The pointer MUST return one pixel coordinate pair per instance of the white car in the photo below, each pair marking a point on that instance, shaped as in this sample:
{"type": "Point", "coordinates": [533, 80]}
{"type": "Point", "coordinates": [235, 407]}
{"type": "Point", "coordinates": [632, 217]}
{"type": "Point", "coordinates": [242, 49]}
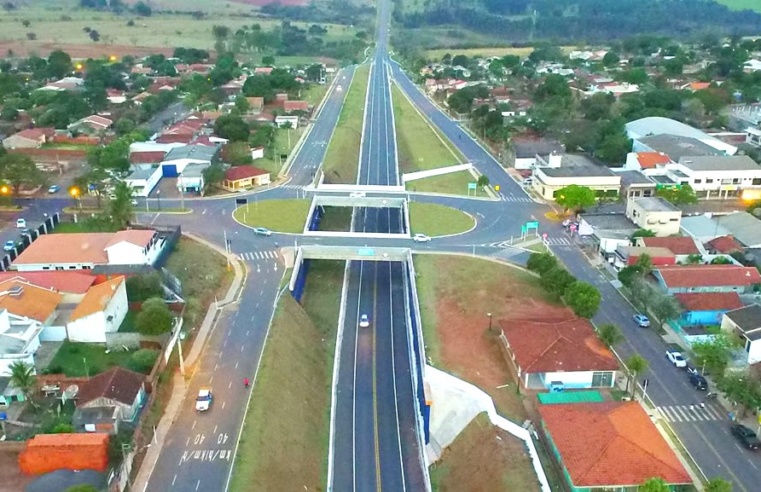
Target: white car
{"type": "Point", "coordinates": [20, 223]}
{"type": "Point", "coordinates": [364, 321]}
{"type": "Point", "coordinates": [203, 401]}
{"type": "Point", "coordinates": [421, 238]}
{"type": "Point", "coordinates": [676, 358]}
{"type": "Point", "coordinates": [9, 245]}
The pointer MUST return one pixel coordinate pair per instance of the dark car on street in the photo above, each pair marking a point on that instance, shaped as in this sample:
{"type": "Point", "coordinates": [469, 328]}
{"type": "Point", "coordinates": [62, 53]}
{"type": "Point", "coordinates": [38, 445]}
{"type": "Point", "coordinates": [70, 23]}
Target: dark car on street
{"type": "Point", "coordinates": [746, 436]}
{"type": "Point", "coordinates": [698, 381]}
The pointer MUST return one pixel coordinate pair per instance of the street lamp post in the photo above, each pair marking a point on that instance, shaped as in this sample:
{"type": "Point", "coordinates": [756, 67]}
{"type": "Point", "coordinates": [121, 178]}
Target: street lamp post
{"type": "Point", "coordinates": [490, 317]}
{"type": "Point", "coordinates": [158, 196]}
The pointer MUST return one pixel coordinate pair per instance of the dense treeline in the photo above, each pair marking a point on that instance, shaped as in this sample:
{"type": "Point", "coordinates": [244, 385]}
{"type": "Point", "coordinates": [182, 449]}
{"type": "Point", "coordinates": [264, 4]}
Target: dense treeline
{"type": "Point", "coordinates": [590, 20]}
{"type": "Point", "coordinates": [332, 11]}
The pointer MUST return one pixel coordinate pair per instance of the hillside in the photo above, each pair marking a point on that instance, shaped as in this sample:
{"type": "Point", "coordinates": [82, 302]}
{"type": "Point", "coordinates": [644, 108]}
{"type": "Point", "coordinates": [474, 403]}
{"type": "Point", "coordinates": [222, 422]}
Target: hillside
{"type": "Point", "coordinates": [580, 20]}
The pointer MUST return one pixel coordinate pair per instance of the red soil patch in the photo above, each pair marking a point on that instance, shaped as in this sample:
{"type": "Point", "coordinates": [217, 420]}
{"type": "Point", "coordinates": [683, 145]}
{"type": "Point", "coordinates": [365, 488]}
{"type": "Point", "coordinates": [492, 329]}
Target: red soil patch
{"type": "Point", "coordinates": [80, 50]}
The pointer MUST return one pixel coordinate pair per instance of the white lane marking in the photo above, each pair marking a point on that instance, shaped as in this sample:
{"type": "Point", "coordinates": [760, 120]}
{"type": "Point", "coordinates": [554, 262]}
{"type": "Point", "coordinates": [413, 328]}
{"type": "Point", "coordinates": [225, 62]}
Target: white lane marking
{"type": "Point", "coordinates": [174, 479]}
{"type": "Point", "coordinates": [216, 366]}
{"type": "Point", "coordinates": [198, 484]}
{"type": "Point", "coordinates": [194, 424]}
{"type": "Point", "coordinates": [187, 443]}
{"type": "Point", "coordinates": [223, 405]}
{"type": "Point", "coordinates": [215, 429]}
{"type": "Point", "coordinates": [229, 385]}
{"type": "Point", "coordinates": [211, 379]}
{"type": "Point", "coordinates": [236, 365]}
{"type": "Point", "coordinates": [247, 332]}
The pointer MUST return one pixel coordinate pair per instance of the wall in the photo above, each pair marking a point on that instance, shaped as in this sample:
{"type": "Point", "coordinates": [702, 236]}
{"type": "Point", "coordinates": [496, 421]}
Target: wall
{"type": "Point", "coordinates": [89, 329]}
{"type": "Point", "coordinates": [571, 380]}
{"type": "Point", "coordinates": [37, 267]}
{"type": "Point", "coordinates": [53, 333]}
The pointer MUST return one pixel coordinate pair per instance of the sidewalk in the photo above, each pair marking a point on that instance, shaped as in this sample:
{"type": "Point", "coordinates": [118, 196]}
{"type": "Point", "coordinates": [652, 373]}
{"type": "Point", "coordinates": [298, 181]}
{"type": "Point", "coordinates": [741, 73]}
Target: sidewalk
{"type": "Point", "coordinates": [140, 484]}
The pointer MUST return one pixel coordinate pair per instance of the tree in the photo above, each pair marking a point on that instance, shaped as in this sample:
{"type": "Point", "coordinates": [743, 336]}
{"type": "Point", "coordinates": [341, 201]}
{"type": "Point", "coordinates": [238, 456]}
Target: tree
{"type": "Point", "coordinates": [59, 64]}
{"type": "Point", "coordinates": [678, 195]}
{"type": "Point", "coordinates": [242, 105]}
{"type": "Point", "coordinates": [635, 365]}
{"type": "Point", "coordinates": [23, 377]}
{"type": "Point", "coordinates": [718, 484]}
{"type": "Point", "coordinates": [143, 360]}
{"type": "Point", "coordinates": [609, 335]}
{"type": "Point", "coordinates": [645, 264]}
{"type": "Point", "coordinates": [20, 170]}
{"type": "Point", "coordinates": [554, 85]}
{"type": "Point", "coordinates": [715, 354]}
{"type": "Point", "coordinates": [237, 153]}
{"type": "Point", "coordinates": [610, 59]}
{"type": "Point", "coordinates": [628, 274]}
{"type": "Point", "coordinates": [743, 388]}
{"type": "Point", "coordinates": [94, 35]}
{"type": "Point", "coordinates": [556, 280]}
{"type": "Point", "coordinates": [654, 485]}
{"type": "Point", "coordinates": [541, 262]}
{"type": "Point", "coordinates": [120, 208]}
{"type": "Point", "coordinates": [583, 298]}
{"type": "Point", "coordinates": [143, 287]}
{"type": "Point", "coordinates": [63, 428]}
{"type": "Point", "coordinates": [575, 197]}
{"type": "Point", "coordinates": [483, 181]}
{"type": "Point", "coordinates": [154, 318]}
{"type": "Point", "coordinates": [142, 9]}
{"type": "Point", "coordinates": [232, 128]}
{"type": "Point", "coordinates": [664, 307]}
{"type": "Point", "coordinates": [643, 233]}
{"type": "Point", "coordinates": [213, 175]}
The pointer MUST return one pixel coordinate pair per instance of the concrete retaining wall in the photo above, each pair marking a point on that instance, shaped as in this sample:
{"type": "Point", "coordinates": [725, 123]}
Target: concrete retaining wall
{"type": "Point", "coordinates": [436, 172]}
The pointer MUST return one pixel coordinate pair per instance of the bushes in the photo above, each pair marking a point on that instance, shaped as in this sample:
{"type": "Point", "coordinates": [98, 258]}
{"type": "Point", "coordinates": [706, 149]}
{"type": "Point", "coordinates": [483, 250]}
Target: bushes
{"type": "Point", "coordinates": [582, 297]}
{"type": "Point", "coordinates": [143, 287]}
{"type": "Point", "coordinates": [143, 360]}
{"type": "Point", "coordinates": [154, 318]}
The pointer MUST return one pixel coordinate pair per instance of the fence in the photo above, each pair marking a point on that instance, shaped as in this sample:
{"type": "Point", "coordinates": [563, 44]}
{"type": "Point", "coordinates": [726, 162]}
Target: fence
{"type": "Point", "coordinates": [46, 227]}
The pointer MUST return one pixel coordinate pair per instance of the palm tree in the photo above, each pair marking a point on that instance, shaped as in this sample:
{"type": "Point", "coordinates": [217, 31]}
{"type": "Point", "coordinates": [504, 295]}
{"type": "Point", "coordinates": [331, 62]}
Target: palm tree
{"type": "Point", "coordinates": [23, 378]}
{"type": "Point", "coordinates": [636, 364]}
{"type": "Point", "coordinates": [609, 335]}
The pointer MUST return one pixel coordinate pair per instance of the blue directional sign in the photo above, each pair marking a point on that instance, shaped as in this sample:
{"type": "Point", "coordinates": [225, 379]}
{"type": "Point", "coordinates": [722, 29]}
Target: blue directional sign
{"type": "Point", "coordinates": [472, 186]}
{"type": "Point", "coordinates": [366, 252]}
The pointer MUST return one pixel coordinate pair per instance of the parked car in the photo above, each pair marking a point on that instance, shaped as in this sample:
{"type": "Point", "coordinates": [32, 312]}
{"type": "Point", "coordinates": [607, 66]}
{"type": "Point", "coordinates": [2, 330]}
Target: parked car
{"type": "Point", "coordinates": [204, 399]}
{"type": "Point", "coordinates": [421, 238]}
{"type": "Point", "coordinates": [746, 436]}
{"type": "Point", "coordinates": [20, 223]}
{"type": "Point", "coordinates": [262, 231]}
{"type": "Point", "coordinates": [54, 189]}
{"type": "Point", "coordinates": [698, 381]}
{"type": "Point", "coordinates": [676, 358]}
{"type": "Point", "coordinates": [642, 320]}
{"type": "Point", "coordinates": [364, 321]}
{"type": "Point", "coordinates": [9, 245]}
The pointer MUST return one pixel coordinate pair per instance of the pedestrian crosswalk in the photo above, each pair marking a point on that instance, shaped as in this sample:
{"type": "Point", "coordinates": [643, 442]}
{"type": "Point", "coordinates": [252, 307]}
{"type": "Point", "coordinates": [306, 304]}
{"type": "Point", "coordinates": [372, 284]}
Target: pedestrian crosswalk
{"type": "Point", "coordinates": [292, 187]}
{"type": "Point", "coordinates": [258, 255]}
{"type": "Point", "coordinates": [516, 199]}
{"type": "Point", "coordinates": [559, 241]}
{"type": "Point", "coordinates": [692, 413]}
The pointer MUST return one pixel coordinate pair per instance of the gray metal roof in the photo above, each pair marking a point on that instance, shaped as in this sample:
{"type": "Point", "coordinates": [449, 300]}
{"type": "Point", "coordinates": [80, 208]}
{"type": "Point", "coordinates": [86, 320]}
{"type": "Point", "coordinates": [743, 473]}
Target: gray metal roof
{"type": "Point", "coordinates": [663, 179]}
{"type": "Point", "coordinates": [656, 125]}
{"type": "Point", "coordinates": [200, 152]}
{"type": "Point", "coordinates": [531, 148]}
{"type": "Point", "coordinates": [702, 228]}
{"type": "Point", "coordinates": [655, 204]}
{"type": "Point", "coordinates": [677, 146]}
{"type": "Point", "coordinates": [581, 171]}
{"type": "Point", "coordinates": [142, 172]}
{"type": "Point", "coordinates": [611, 223]}
{"type": "Point", "coordinates": [629, 178]}
{"type": "Point", "coordinates": [747, 318]}
{"type": "Point", "coordinates": [193, 170]}
{"type": "Point", "coordinates": [720, 163]}
{"type": "Point", "coordinates": [743, 226]}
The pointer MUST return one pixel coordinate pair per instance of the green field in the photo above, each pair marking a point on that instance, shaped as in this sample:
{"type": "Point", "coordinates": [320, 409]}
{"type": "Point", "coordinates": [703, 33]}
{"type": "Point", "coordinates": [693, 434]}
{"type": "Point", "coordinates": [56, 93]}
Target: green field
{"type": "Point", "coordinates": [342, 157]}
{"type": "Point", "coordinates": [419, 145]}
{"type": "Point", "coordinates": [285, 141]}
{"type": "Point", "coordinates": [276, 215]}
{"type": "Point", "coordinates": [437, 54]}
{"type": "Point", "coordinates": [432, 219]}
{"type": "Point", "coordinates": [452, 184]}
{"type": "Point", "coordinates": [742, 4]}
{"type": "Point", "coordinates": [285, 436]}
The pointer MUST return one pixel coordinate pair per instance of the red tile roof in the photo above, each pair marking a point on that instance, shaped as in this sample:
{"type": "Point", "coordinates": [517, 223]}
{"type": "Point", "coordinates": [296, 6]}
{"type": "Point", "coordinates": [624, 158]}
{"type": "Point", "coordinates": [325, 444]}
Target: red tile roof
{"type": "Point", "coordinates": [724, 244]}
{"type": "Point", "coordinates": [610, 444]}
{"type": "Point", "coordinates": [138, 237]}
{"type": "Point", "coordinates": [709, 301]}
{"type": "Point", "coordinates": [679, 276]}
{"type": "Point", "coordinates": [36, 133]}
{"type": "Point", "coordinates": [117, 384]}
{"type": "Point", "coordinates": [557, 345]}
{"type": "Point", "coordinates": [295, 106]}
{"type": "Point", "coordinates": [59, 281]}
{"type": "Point", "coordinates": [79, 247]}
{"type": "Point", "coordinates": [147, 157]}
{"type": "Point", "coordinates": [648, 160]}
{"type": "Point", "coordinates": [243, 172]}
{"type": "Point", "coordinates": [677, 245]}
{"type": "Point", "coordinates": [185, 138]}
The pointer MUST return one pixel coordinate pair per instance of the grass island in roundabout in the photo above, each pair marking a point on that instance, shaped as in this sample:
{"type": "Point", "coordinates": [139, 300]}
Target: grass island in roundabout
{"type": "Point", "coordinates": [289, 216]}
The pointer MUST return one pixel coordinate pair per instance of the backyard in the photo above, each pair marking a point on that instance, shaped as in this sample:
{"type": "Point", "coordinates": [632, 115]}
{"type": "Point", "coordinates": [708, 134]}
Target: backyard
{"type": "Point", "coordinates": [342, 156]}
{"type": "Point", "coordinates": [281, 448]}
{"type": "Point", "coordinates": [277, 215]}
{"type": "Point", "coordinates": [86, 359]}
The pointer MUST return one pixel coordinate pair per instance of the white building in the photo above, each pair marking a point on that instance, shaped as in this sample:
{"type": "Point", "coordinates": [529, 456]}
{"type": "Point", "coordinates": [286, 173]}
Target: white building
{"type": "Point", "coordinates": [19, 340]}
{"type": "Point", "coordinates": [178, 158]}
{"type": "Point", "coordinates": [282, 120]}
{"type": "Point", "coordinates": [101, 311]}
{"type": "Point", "coordinates": [191, 179]}
{"type": "Point", "coordinates": [746, 323]}
{"type": "Point", "coordinates": [654, 214]}
{"type": "Point", "coordinates": [719, 176]}
{"type": "Point", "coordinates": [86, 250]}
{"type": "Point", "coordinates": [143, 179]}
{"type": "Point", "coordinates": [548, 180]}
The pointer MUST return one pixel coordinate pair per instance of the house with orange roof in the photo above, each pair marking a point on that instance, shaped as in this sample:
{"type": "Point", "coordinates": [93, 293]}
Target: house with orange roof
{"type": "Point", "coordinates": [84, 251]}
{"type": "Point", "coordinates": [706, 278]}
{"type": "Point", "coordinates": [100, 311]}
{"type": "Point", "coordinates": [706, 308]}
{"type": "Point", "coordinates": [637, 161]}
{"type": "Point", "coordinates": [31, 138]}
{"type": "Point", "coordinates": [609, 446]}
{"type": "Point", "coordinates": [558, 353]}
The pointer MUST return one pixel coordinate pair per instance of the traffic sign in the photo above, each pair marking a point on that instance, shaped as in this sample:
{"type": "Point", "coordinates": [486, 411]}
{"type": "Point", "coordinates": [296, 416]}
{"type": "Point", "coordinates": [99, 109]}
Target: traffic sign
{"type": "Point", "coordinates": [366, 252]}
{"type": "Point", "coordinates": [532, 225]}
{"type": "Point", "coordinates": [472, 186]}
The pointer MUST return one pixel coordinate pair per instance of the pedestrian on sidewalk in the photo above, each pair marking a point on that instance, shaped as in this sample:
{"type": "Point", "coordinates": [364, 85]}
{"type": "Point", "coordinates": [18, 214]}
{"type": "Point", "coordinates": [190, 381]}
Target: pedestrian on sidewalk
{"type": "Point", "coordinates": [245, 382]}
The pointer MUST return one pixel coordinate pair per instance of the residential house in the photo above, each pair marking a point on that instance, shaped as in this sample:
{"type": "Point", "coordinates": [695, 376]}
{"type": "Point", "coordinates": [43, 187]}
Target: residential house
{"type": "Point", "coordinates": [637, 161]}
{"type": "Point", "coordinates": [634, 184]}
{"type": "Point", "coordinates": [703, 228]}
{"type": "Point", "coordinates": [706, 278]}
{"type": "Point", "coordinates": [706, 308]}
{"type": "Point", "coordinates": [117, 388]}
{"type": "Point", "coordinates": [629, 255]}
{"type": "Point", "coordinates": [28, 301]}
{"type": "Point", "coordinates": [147, 157]}
{"type": "Point", "coordinates": [257, 153]}
{"type": "Point", "coordinates": [681, 246]}
{"type": "Point", "coordinates": [83, 251]}
{"type": "Point", "coordinates": [31, 138]}
{"type": "Point", "coordinates": [240, 178]}
{"type": "Point", "coordinates": [746, 323]}
{"type": "Point", "coordinates": [178, 158]}
{"type": "Point", "coordinates": [295, 106]}
{"type": "Point", "coordinates": [19, 340]}
{"type": "Point", "coordinates": [654, 214]}
{"type": "Point", "coordinates": [559, 353]}
{"type": "Point", "coordinates": [101, 311]}
{"type": "Point", "coordinates": [255, 104]}
{"type": "Point", "coordinates": [695, 86]}
{"type": "Point", "coordinates": [548, 180]}
{"type": "Point", "coordinates": [639, 129]}
{"type": "Point", "coordinates": [526, 151]}
{"type": "Point", "coordinates": [65, 84]}
{"type": "Point", "coordinates": [283, 120]}
{"type": "Point", "coordinates": [609, 446]}
{"type": "Point", "coordinates": [744, 227]}
{"type": "Point", "coordinates": [233, 87]}
{"type": "Point", "coordinates": [72, 285]}
{"type": "Point", "coordinates": [751, 66]}
{"type": "Point", "coordinates": [723, 245]}
{"type": "Point", "coordinates": [91, 125]}
{"type": "Point", "coordinates": [608, 231]}
{"type": "Point", "coordinates": [116, 96]}
{"type": "Point", "coordinates": [263, 70]}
